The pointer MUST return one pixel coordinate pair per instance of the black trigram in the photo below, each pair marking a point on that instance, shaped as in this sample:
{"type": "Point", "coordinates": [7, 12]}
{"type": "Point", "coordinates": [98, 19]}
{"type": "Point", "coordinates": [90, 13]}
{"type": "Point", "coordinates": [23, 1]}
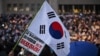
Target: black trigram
{"type": "Point", "coordinates": [51, 14]}
{"type": "Point", "coordinates": [60, 45]}
{"type": "Point", "coordinates": [42, 29]}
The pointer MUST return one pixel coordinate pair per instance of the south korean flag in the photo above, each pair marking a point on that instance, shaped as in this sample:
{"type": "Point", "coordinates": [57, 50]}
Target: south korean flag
{"type": "Point", "coordinates": [49, 28]}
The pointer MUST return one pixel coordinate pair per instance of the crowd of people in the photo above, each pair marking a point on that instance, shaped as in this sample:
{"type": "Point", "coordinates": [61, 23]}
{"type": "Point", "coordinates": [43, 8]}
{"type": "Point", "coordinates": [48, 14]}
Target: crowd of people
{"type": "Point", "coordinates": [11, 28]}
{"type": "Point", "coordinates": [82, 27]}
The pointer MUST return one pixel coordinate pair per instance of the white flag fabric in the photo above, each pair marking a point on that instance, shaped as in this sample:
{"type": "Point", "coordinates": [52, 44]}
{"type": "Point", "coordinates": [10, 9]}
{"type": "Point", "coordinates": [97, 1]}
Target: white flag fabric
{"type": "Point", "coordinates": [49, 28]}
